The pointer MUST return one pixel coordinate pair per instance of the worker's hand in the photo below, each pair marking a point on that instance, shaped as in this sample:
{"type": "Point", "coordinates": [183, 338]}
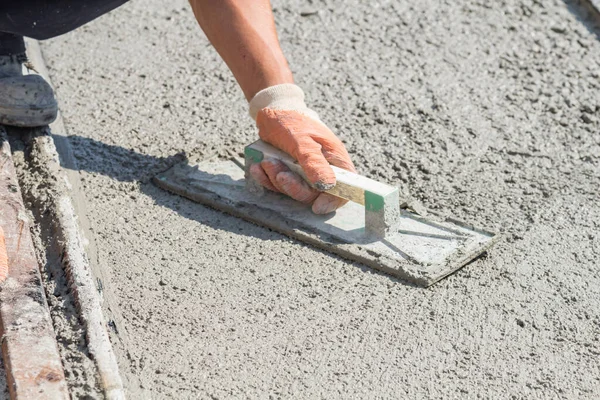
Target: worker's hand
{"type": "Point", "coordinates": [285, 122]}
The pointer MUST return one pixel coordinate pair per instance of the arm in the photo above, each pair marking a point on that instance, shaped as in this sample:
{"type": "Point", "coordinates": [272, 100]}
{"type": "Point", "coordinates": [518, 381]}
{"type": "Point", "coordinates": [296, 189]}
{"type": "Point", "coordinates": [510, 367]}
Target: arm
{"type": "Point", "coordinates": [243, 33]}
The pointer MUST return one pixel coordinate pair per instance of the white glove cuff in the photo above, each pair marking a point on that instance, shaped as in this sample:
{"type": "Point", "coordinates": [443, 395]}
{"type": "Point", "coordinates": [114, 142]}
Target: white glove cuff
{"type": "Point", "coordinates": [286, 96]}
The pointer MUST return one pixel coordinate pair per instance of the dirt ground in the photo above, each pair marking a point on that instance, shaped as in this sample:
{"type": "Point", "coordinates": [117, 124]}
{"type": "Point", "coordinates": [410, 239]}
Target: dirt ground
{"type": "Point", "coordinates": [489, 113]}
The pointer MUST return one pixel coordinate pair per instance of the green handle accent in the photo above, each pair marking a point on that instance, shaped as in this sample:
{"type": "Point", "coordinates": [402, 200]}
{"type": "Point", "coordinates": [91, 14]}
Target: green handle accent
{"type": "Point", "coordinates": [254, 155]}
{"type": "Point", "coordinates": [373, 202]}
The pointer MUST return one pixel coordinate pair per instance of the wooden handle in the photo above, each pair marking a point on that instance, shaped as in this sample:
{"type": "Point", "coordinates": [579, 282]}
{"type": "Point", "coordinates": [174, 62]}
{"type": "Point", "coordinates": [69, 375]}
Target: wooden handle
{"type": "Point", "coordinates": [349, 185]}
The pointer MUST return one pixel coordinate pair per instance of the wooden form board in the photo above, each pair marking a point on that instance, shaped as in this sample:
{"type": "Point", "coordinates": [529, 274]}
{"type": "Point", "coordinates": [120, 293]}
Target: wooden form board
{"type": "Point", "coordinates": [29, 350]}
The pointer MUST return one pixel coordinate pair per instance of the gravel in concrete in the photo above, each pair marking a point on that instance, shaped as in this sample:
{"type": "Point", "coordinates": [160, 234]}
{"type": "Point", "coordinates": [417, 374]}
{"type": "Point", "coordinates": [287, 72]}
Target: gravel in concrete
{"type": "Point", "coordinates": [487, 112]}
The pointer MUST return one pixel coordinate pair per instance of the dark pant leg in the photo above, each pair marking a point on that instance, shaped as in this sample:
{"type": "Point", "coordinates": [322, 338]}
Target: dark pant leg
{"type": "Point", "coordinates": [45, 19]}
{"type": "Point", "coordinates": [11, 44]}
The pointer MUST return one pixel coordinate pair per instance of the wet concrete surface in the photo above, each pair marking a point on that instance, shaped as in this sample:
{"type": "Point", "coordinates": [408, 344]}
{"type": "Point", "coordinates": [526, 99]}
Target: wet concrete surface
{"type": "Point", "coordinates": [488, 113]}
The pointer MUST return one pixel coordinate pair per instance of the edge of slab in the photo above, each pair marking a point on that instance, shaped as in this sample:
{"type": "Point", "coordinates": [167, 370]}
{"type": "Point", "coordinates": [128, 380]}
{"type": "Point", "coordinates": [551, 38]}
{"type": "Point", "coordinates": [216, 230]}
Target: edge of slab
{"type": "Point", "coordinates": [75, 260]}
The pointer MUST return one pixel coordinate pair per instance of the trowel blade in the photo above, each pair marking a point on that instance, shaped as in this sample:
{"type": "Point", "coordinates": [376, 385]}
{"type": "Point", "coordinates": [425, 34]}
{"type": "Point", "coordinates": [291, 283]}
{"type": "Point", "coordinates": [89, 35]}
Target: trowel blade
{"type": "Point", "coordinates": [420, 249]}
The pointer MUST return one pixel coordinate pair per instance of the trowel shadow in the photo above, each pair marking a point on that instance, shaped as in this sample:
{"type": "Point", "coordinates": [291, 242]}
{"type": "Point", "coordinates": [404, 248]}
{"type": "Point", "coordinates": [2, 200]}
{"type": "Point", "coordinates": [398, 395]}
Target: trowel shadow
{"type": "Point", "coordinates": [586, 13]}
{"type": "Point", "coordinates": [126, 165]}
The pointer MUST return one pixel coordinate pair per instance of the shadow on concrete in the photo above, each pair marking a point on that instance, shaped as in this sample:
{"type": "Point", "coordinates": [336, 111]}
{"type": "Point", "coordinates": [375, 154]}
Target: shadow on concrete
{"type": "Point", "coordinates": [586, 13]}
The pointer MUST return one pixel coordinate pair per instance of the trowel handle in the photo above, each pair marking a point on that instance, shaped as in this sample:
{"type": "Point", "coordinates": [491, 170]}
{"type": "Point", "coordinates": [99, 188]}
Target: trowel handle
{"type": "Point", "coordinates": [381, 201]}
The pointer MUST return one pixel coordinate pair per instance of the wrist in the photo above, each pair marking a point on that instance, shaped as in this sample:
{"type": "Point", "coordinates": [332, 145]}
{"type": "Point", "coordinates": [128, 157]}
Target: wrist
{"type": "Point", "coordinates": [286, 96]}
{"type": "Point", "coordinates": [257, 77]}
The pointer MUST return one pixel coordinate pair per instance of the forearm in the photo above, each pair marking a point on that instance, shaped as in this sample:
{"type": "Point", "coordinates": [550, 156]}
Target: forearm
{"type": "Point", "coordinates": [243, 33]}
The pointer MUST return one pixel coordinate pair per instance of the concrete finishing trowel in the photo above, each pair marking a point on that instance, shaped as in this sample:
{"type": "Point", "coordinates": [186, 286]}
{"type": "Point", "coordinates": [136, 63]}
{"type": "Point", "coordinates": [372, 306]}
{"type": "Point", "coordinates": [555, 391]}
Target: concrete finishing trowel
{"type": "Point", "coordinates": [372, 228]}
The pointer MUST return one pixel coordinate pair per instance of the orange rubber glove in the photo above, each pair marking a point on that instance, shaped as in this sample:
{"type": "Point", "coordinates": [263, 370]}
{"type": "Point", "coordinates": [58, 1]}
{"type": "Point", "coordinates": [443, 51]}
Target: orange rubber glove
{"type": "Point", "coordinates": [284, 121]}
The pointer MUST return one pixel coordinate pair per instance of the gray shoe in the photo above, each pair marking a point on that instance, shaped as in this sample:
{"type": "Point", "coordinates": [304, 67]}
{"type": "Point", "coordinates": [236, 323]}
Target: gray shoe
{"type": "Point", "coordinates": [25, 101]}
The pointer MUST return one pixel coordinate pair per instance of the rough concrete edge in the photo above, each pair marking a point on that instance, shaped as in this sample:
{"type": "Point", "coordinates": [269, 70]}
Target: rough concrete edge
{"type": "Point", "coordinates": [77, 265]}
{"type": "Point", "coordinates": [32, 361]}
